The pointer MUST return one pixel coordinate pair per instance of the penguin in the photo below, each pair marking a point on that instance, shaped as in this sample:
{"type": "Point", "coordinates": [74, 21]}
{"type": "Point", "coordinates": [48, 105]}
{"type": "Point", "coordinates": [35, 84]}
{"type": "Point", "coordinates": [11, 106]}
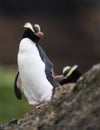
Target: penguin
{"type": "Point", "coordinates": [35, 76]}
{"type": "Point", "coordinates": [69, 75]}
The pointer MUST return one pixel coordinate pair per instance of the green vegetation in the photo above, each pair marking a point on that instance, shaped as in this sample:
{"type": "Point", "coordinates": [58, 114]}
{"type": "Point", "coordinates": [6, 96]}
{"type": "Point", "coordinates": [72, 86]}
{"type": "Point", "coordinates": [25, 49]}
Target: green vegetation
{"type": "Point", "coordinates": [10, 106]}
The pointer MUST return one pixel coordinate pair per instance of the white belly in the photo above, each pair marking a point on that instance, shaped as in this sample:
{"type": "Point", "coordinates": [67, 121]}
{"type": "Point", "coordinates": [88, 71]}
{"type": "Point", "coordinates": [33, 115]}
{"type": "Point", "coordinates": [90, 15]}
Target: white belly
{"type": "Point", "coordinates": [32, 72]}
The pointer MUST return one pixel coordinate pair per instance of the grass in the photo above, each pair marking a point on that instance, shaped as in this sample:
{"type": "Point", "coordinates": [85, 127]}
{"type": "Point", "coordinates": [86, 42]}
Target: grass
{"type": "Point", "coordinates": [10, 106]}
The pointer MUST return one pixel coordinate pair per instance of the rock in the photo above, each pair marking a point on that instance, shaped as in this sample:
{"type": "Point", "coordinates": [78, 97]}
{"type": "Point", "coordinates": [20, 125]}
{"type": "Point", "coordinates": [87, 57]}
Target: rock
{"type": "Point", "coordinates": [73, 107]}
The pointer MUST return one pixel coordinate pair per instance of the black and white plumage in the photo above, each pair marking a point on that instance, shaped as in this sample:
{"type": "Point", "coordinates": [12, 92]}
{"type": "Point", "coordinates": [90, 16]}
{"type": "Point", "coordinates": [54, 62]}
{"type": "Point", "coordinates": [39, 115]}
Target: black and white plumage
{"type": "Point", "coordinates": [71, 74]}
{"type": "Point", "coordinates": [35, 71]}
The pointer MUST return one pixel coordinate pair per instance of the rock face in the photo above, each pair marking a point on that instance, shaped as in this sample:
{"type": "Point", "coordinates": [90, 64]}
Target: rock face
{"type": "Point", "coordinates": [73, 107]}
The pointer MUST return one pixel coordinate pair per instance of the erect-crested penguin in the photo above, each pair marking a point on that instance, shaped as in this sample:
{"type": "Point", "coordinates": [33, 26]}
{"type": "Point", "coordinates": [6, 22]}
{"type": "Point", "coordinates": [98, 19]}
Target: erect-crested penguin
{"type": "Point", "coordinates": [35, 75]}
{"type": "Point", "coordinates": [69, 75]}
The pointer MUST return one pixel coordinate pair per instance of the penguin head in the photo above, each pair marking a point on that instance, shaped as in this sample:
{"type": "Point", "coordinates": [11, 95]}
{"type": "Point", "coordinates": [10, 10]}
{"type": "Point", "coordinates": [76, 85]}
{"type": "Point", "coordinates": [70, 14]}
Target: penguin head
{"type": "Point", "coordinates": [33, 32]}
{"type": "Point", "coordinates": [72, 73]}
{"type": "Point", "coordinates": [68, 71]}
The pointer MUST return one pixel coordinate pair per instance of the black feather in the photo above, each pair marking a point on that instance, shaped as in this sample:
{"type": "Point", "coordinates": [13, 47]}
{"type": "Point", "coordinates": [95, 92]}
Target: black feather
{"type": "Point", "coordinates": [29, 34]}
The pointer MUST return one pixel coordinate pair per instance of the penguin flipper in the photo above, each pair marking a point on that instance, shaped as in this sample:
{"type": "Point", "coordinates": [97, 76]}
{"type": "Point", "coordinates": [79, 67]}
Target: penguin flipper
{"type": "Point", "coordinates": [17, 86]}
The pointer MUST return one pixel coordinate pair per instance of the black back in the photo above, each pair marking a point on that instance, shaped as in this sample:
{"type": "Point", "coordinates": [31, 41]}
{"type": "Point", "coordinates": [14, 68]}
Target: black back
{"type": "Point", "coordinates": [48, 67]}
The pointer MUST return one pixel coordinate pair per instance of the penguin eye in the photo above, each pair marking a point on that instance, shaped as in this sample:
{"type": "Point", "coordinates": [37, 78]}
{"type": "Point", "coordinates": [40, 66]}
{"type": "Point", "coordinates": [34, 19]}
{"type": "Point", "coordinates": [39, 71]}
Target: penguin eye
{"type": "Point", "coordinates": [37, 28]}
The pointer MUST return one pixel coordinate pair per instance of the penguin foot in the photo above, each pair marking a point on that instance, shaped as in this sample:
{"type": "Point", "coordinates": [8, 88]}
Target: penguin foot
{"type": "Point", "coordinates": [41, 105]}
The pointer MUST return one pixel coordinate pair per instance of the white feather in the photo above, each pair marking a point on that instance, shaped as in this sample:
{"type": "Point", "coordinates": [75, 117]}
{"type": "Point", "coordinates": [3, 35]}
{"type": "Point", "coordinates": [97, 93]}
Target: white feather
{"type": "Point", "coordinates": [35, 85]}
{"type": "Point", "coordinates": [66, 68]}
{"type": "Point", "coordinates": [37, 25]}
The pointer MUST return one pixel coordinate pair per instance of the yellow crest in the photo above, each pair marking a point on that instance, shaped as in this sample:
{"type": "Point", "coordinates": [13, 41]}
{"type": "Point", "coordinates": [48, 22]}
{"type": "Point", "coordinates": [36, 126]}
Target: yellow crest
{"type": "Point", "coordinates": [29, 25]}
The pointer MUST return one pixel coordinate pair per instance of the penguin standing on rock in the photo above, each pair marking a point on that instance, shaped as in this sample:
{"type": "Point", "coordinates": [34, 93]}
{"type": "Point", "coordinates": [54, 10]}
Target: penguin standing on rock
{"type": "Point", "coordinates": [35, 75]}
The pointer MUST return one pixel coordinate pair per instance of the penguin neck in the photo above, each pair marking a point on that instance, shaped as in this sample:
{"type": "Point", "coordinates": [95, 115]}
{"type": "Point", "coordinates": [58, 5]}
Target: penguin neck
{"type": "Point", "coordinates": [29, 34]}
